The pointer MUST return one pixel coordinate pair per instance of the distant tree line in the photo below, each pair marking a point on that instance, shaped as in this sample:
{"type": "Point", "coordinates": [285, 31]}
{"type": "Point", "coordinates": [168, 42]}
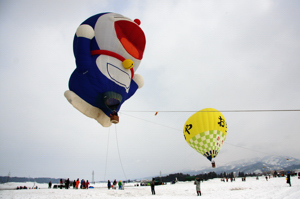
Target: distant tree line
{"type": "Point", "coordinates": [205, 176]}
{"type": "Point", "coordinates": [168, 178]}
{"type": "Point", "coordinates": [211, 175]}
{"type": "Point", "coordinates": [4, 179]}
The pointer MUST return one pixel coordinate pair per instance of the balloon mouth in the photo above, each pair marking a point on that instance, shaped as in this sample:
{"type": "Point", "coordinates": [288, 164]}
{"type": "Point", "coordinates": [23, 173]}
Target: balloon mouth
{"type": "Point", "coordinates": [131, 37]}
{"type": "Point", "coordinates": [209, 158]}
{"type": "Point", "coordinates": [112, 100]}
{"type": "Point", "coordinates": [211, 154]}
{"type": "Point", "coordinates": [112, 103]}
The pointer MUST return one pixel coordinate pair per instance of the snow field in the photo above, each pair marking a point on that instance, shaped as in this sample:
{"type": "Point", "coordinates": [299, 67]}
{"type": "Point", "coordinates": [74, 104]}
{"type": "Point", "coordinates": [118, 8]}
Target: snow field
{"type": "Point", "coordinates": [251, 188]}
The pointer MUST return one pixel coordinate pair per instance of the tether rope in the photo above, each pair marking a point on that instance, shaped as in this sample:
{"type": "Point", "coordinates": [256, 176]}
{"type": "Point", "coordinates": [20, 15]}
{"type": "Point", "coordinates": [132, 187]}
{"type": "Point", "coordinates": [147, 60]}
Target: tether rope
{"type": "Point", "coordinates": [262, 110]}
{"type": "Point", "coordinates": [106, 154]}
{"type": "Point", "coordinates": [119, 152]}
{"type": "Point", "coordinates": [220, 111]}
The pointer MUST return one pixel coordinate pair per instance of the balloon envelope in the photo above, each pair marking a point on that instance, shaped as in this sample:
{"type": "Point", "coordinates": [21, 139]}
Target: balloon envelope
{"type": "Point", "coordinates": [108, 49]}
{"type": "Point", "coordinates": [206, 131]}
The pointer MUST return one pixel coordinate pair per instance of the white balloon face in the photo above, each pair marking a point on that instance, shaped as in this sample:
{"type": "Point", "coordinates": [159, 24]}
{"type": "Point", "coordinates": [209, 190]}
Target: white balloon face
{"type": "Point", "coordinates": [116, 33]}
{"type": "Point", "coordinates": [113, 69]}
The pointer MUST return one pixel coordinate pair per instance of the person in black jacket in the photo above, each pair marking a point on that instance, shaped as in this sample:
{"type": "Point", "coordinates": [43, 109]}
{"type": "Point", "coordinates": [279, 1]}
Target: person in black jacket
{"type": "Point", "coordinates": [152, 184]}
{"type": "Point", "coordinates": [288, 178]}
{"type": "Point", "coordinates": [67, 183]}
{"type": "Point", "coordinates": [74, 184]}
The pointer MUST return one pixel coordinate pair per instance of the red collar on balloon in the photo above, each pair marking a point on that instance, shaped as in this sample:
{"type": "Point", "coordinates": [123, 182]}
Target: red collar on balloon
{"type": "Point", "coordinates": [112, 54]}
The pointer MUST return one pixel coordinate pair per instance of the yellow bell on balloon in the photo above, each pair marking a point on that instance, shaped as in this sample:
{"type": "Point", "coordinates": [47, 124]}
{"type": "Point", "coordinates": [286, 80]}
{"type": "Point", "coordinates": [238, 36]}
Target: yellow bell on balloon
{"type": "Point", "coordinates": [206, 131]}
{"type": "Point", "coordinates": [128, 63]}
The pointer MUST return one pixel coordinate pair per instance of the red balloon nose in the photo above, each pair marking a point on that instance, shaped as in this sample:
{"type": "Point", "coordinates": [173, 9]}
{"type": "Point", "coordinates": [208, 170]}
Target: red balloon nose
{"type": "Point", "coordinates": [137, 21]}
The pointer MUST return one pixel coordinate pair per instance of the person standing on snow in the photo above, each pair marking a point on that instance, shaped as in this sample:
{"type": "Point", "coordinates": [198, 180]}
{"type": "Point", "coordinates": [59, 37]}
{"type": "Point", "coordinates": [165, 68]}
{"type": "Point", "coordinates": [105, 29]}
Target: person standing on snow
{"type": "Point", "coordinates": [77, 183]}
{"type": "Point", "coordinates": [152, 184]}
{"type": "Point", "coordinates": [115, 184]}
{"type": "Point", "coordinates": [83, 184]}
{"type": "Point", "coordinates": [108, 184]}
{"type": "Point", "coordinates": [120, 185]}
{"type": "Point", "coordinates": [288, 178]}
{"type": "Point", "coordinates": [74, 184]}
{"type": "Point", "coordinates": [67, 183]}
{"type": "Point", "coordinates": [61, 183]}
{"type": "Point", "coordinates": [87, 184]}
{"type": "Point", "coordinates": [197, 183]}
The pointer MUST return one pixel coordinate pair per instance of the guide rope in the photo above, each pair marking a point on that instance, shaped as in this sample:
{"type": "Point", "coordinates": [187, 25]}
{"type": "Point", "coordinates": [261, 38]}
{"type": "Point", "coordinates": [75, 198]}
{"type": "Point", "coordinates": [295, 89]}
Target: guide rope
{"type": "Point", "coordinates": [227, 143]}
{"type": "Point", "coordinates": [106, 154]}
{"type": "Point", "coordinates": [258, 110]}
{"type": "Point", "coordinates": [119, 152]}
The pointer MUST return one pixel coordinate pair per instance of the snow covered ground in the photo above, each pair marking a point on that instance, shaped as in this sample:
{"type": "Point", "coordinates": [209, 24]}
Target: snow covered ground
{"type": "Point", "coordinates": [251, 188]}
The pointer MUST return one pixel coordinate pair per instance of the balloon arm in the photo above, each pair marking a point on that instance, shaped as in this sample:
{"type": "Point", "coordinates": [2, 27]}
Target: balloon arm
{"type": "Point", "coordinates": [83, 54]}
{"type": "Point", "coordinates": [139, 80]}
{"type": "Point", "coordinates": [86, 31]}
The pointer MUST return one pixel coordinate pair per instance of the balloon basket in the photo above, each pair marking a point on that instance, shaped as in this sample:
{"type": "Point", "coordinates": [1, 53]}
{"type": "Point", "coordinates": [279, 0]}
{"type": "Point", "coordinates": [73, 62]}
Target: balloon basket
{"type": "Point", "coordinates": [114, 119]}
{"type": "Point", "coordinates": [213, 164]}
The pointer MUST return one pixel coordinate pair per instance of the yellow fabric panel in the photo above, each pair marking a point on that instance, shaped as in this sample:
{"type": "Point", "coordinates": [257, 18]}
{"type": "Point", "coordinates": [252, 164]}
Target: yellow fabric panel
{"type": "Point", "coordinates": [205, 120]}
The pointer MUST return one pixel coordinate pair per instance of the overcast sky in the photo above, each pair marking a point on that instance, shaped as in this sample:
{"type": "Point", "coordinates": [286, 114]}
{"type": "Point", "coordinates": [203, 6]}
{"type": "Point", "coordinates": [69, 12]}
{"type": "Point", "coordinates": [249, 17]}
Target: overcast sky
{"type": "Point", "coordinates": [229, 55]}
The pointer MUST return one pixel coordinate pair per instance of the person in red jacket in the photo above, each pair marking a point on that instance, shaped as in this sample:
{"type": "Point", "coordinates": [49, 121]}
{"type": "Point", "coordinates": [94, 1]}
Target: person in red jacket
{"type": "Point", "coordinates": [77, 183]}
{"type": "Point", "coordinates": [87, 184]}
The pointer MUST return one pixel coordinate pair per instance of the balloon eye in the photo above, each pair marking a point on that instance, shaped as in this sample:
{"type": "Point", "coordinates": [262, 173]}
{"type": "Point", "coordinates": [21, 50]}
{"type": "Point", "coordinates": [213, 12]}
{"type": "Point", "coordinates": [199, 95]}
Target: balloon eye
{"type": "Point", "coordinates": [137, 21]}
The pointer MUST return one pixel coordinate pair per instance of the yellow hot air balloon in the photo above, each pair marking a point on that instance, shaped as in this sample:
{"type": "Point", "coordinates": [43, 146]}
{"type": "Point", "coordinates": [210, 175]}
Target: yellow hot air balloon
{"type": "Point", "coordinates": [206, 131]}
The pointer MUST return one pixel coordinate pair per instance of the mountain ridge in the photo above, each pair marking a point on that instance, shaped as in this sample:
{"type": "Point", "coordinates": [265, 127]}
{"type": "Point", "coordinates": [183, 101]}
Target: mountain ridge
{"type": "Point", "coordinates": [254, 165]}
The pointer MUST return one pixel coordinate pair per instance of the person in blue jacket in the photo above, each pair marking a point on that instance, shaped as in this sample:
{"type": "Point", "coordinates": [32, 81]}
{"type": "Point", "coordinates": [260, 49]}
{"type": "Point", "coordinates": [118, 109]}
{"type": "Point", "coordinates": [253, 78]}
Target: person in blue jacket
{"type": "Point", "coordinates": [108, 184]}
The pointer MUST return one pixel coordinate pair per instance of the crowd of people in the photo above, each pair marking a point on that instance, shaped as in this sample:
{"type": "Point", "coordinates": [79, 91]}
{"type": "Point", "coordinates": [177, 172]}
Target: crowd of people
{"type": "Point", "coordinates": [121, 187]}
{"type": "Point", "coordinates": [83, 184]}
{"type": "Point", "coordinates": [25, 187]}
{"type": "Point", "coordinates": [226, 179]}
{"type": "Point", "coordinates": [67, 184]}
{"type": "Point", "coordinates": [114, 185]}
{"type": "Point", "coordinates": [77, 184]}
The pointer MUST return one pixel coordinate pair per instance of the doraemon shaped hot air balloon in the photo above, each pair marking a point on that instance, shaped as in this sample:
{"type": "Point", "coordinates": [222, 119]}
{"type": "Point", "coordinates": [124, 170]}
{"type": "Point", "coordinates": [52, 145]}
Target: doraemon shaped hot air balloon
{"type": "Point", "coordinates": [108, 49]}
{"type": "Point", "coordinates": [205, 131]}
